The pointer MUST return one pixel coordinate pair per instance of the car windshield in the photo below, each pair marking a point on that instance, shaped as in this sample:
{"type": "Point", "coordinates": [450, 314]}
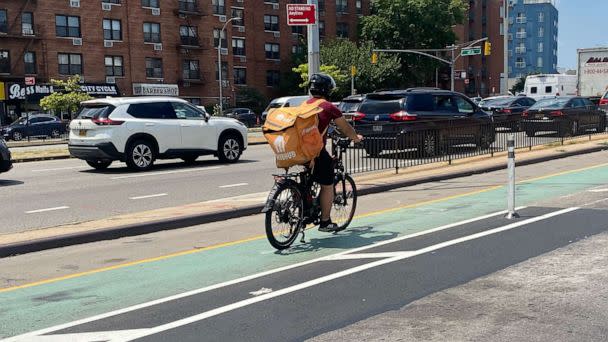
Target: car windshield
{"type": "Point", "coordinates": [89, 112]}
{"type": "Point", "coordinates": [380, 107]}
{"type": "Point", "coordinates": [20, 121]}
{"type": "Point", "coordinates": [349, 106]}
{"type": "Point", "coordinates": [550, 104]}
{"type": "Point", "coordinates": [496, 102]}
{"type": "Point", "coordinates": [297, 101]}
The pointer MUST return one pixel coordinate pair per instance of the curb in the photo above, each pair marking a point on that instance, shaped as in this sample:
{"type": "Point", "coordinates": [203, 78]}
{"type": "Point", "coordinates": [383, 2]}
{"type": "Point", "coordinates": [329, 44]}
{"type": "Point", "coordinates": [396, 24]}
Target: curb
{"type": "Point", "coordinates": [192, 220]}
{"type": "Point", "coordinates": [33, 159]}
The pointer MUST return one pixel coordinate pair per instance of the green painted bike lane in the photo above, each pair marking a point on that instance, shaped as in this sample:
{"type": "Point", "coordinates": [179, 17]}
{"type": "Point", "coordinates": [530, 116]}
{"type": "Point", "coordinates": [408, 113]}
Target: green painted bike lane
{"type": "Point", "coordinates": [32, 308]}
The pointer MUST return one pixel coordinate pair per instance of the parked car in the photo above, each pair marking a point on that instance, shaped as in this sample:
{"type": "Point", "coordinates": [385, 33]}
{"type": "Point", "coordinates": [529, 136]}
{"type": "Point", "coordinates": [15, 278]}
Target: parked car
{"type": "Point", "coordinates": [6, 162]}
{"type": "Point", "coordinates": [38, 125]}
{"type": "Point", "coordinates": [288, 101]}
{"type": "Point", "coordinates": [426, 119]}
{"type": "Point", "coordinates": [476, 100]}
{"type": "Point", "coordinates": [244, 115]}
{"type": "Point", "coordinates": [604, 102]}
{"type": "Point", "coordinates": [349, 106]}
{"type": "Point", "coordinates": [565, 115]}
{"type": "Point", "coordinates": [507, 111]}
{"type": "Point", "coordinates": [139, 130]}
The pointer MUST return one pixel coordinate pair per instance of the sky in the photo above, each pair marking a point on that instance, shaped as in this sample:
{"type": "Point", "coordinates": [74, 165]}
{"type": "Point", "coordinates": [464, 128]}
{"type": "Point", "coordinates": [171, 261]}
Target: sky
{"type": "Point", "coordinates": [582, 24]}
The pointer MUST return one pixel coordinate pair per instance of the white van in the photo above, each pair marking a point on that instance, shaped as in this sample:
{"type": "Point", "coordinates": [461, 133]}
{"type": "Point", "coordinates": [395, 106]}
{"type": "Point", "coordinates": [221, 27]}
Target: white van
{"type": "Point", "coordinates": [288, 101]}
{"type": "Point", "coordinates": [550, 85]}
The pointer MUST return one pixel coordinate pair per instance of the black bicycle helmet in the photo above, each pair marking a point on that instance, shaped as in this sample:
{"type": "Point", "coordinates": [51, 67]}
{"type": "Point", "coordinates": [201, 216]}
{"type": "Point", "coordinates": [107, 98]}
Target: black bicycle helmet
{"type": "Point", "coordinates": [321, 85]}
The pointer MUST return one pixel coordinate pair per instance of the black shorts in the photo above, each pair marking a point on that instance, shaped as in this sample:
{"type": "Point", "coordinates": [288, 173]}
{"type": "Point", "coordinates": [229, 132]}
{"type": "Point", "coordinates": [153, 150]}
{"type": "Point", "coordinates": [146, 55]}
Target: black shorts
{"type": "Point", "coordinates": [323, 172]}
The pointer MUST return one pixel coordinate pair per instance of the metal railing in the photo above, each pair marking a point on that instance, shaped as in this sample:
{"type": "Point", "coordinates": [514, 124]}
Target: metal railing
{"type": "Point", "coordinates": [396, 146]}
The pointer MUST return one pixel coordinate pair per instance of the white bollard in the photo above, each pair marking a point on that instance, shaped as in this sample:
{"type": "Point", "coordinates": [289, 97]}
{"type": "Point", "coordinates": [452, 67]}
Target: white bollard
{"type": "Point", "coordinates": [511, 214]}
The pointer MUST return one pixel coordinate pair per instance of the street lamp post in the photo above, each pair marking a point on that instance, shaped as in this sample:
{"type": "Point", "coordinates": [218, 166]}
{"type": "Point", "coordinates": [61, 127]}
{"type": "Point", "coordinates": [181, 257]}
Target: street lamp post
{"type": "Point", "coordinates": [219, 62]}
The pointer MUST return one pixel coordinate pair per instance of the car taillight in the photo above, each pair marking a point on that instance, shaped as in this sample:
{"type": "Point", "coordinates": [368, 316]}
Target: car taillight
{"type": "Point", "coordinates": [525, 114]}
{"type": "Point", "coordinates": [106, 122]}
{"type": "Point", "coordinates": [358, 116]}
{"type": "Point", "coordinates": [604, 102]}
{"type": "Point", "coordinates": [506, 111]}
{"type": "Point", "coordinates": [402, 116]}
{"type": "Point", "coordinates": [556, 113]}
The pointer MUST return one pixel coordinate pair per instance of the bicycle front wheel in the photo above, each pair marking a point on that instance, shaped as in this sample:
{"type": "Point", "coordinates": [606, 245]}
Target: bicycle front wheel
{"type": "Point", "coordinates": [284, 220]}
{"type": "Point", "coordinates": [345, 201]}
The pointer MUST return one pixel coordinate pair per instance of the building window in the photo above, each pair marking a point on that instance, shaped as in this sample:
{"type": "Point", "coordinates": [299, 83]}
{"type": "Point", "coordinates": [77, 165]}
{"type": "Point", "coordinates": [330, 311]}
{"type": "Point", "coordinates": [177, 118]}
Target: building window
{"type": "Point", "coordinates": [273, 77]}
{"type": "Point", "coordinates": [151, 32]}
{"type": "Point", "coordinates": [272, 51]}
{"type": "Point", "coordinates": [219, 7]}
{"type": "Point", "coordinates": [3, 21]}
{"type": "Point", "coordinates": [5, 62]}
{"type": "Point", "coordinates": [29, 60]}
{"type": "Point", "coordinates": [297, 30]}
{"type": "Point", "coordinates": [539, 62]}
{"type": "Point", "coordinates": [541, 47]}
{"type": "Point", "coordinates": [224, 71]}
{"type": "Point", "coordinates": [541, 17]}
{"type": "Point", "coordinates": [321, 4]}
{"type": "Point", "coordinates": [238, 13]}
{"type": "Point", "coordinates": [240, 76]}
{"type": "Point", "coordinates": [359, 6]}
{"type": "Point", "coordinates": [154, 67]}
{"type": "Point", "coordinates": [187, 5]}
{"type": "Point", "coordinates": [342, 30]}
{"type": "Point", "coordinates": [191, 70]}
{"type": "Point", "coordinates": [541, 32]}
{"type": "Point", "coordinates": [111, 1]}
{"type": "Point", "coordinates": [70, 63]}
{"type": "Point", "coordinates": [341, 6]}
{"type": "Point", "coordinates": [321, 28]}
{"type": "Point", "coordinates": [217, 33]}
{"type": "Point", "coordinates": [188, 35]}
{"type": "Point", "coordinates": [114, 66]}
{"type": "Point", "coordinates": [520, 63]}
{"type": "Point", "coordinates": [67, 26]}
{"type": "Point", "coordinates": [271, 22]}
{"type": "Point", "coordinates": [297, 49]}
{"type": "Point", "coordinates": [112, 29]}
{"type": "Point", "coordinates": [150, 3]}
{"type": "Point", "coordinates": [27, 23]}
{"type": "Point", "coordinates": [521, 18]}
{"type": "Point", "coordinates": [238, 46]}
{"type": "Point", "coordinates": [521, 33]}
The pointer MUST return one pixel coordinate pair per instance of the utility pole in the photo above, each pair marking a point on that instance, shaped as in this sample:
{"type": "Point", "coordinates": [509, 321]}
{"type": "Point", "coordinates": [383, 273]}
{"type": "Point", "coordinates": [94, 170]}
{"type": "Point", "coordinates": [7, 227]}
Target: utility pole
{"type": "Point", "coordinates": [219, 63]}
{"type": "Point", "coordinates": [452, 48]}
{"type": "Point", "coordinates": [505, 21]}
{"type": "Point", "coordinates": [314, 54]}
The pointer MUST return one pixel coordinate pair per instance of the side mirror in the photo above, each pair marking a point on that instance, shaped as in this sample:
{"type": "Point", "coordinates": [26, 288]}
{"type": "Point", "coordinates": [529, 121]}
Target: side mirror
{"type": "Point", "coordinates": [207, 116]}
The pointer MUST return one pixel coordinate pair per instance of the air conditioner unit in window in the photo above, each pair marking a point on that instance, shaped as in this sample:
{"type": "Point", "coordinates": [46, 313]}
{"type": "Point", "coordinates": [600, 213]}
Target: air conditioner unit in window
{"type": "Point", "coordinates": [111, 79]}
{"type": "Point", "coordinates": [156, 11]}
{"type": "Point", "coordinates": [222, 18]}
{"type": "Point", "coordinates": [241, 28]}
{"type": "Point", "coordinates": [243, 59]}
{"type": "Point", "coordinates": [75, 3]}
{"type": "Point", "coordinates": [224, 51]}
{"type": "Point", "coordinates": [77, 41]}
{"type": "Point", "coordinates": [158, 47]}
{"type": "Point", "coordinates": [225, 83]}
{"type": "Point", "coordinates": [108, 43]}
{"type": "Point", "coordinates": [27, 31]}
{"type": "Point", "coordinates": [106, 6]}
{"type": "Point", "coordinates": [277, 34]}
{"type": "Point", "coordinates": [275, 6]}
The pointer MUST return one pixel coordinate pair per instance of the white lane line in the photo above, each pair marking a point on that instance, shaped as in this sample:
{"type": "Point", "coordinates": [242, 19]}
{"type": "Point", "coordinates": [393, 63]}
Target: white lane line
{"type": "Point", "coordinates": [233, 185]}
{"type": "Point", "coordinates": [247, 278]}
{"type": "Point", "coordinates": [46, 209]}
{"type": "Point", "coordinates": [60, 169]}
{"type": "Point", "coordinates": [321, 280]}
{"type": "Point", "coordinates": [369, 255]}
{"type": "Point", "coordinates": [150, 174]}
{"type": "Point", "coordinates": [147, 196]}
{"type": "Point", "coordinates": [598, 190]}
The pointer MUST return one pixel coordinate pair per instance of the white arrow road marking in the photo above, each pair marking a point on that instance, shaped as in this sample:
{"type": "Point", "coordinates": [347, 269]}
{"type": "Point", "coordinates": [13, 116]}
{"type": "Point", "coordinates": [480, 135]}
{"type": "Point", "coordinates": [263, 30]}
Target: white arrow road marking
{"type": "Point", "coordinates": [260, 292]}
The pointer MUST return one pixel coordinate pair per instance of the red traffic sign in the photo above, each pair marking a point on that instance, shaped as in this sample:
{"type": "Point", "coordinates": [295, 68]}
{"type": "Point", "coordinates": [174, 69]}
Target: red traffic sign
{"type": "Point", "coordinates": [30, 81]}
{"type": "Point", "coordinates": [301, 14]}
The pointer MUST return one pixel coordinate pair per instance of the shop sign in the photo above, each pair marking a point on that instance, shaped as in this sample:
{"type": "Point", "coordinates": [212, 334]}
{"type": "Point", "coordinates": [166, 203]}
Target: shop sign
{"type": "Point", "coordinates": [2, 92]}
{"type": "Point", "coordinates": [152, 89]}
{"type": "Point", "coordinates": [100, 89]}
{"type": "Point", "coordinates": [17, 91]}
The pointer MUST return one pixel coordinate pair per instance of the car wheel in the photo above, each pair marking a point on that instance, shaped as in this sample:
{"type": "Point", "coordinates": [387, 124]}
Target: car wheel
{"type": "Point", "coordinates": [430, 146]}
{"type": "Point", "coordinates": [55, 133]}
{"type": "Point", "coordinates": [17, 136]}
{"type": "Point", "coordinates": [569, 130]}
{"type": "Point", "coordinates": [229, 149]}
{"type": "Point", "coordinates": [99, 164]}
{"type": "Point", "coordinates": [190, 159]}
{"type": "Point", "coordinates": [140, 155]}
{"type": "Point", "coordinates": [601, 127]}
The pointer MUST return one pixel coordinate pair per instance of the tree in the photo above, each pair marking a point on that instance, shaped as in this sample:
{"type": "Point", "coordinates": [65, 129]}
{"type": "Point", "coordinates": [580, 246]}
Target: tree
{"type": "Point", "coordinates": [67, 100]}
{"type": "Point", "coordinates": [413, 24]}
{"type": "Point", "coordinates": [518, 87]}
{"type": "Point", "coordinates": [251, 98]}
{"type": "Point", "coordinates": [338, 75]}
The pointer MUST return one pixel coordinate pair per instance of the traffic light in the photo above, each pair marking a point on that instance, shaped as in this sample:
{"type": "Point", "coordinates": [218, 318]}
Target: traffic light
{"type": "Point", "coordinates": [374, 58]}
{"type": "Point", "coordinates": [487, 49]}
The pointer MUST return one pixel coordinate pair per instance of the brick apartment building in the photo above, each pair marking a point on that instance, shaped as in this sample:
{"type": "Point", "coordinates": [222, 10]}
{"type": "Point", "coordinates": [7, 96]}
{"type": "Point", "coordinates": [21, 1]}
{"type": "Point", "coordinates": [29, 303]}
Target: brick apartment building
{"type": "Point", "coordinates": [138, 47]}
{"type": "Point", "coordinates": [483, 73]}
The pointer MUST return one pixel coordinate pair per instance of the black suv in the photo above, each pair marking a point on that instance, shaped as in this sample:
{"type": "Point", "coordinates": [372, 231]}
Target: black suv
{"type": "Point", "coordinates": [429, 120]}
{"type": "Point", "coordinates": [5, 157]}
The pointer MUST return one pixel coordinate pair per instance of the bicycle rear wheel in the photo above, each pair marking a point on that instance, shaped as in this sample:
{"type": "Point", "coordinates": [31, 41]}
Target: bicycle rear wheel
{"type": "Point", "coordinates": [345, 201]}
{"type": "Point", "coordinates": [284, 220]}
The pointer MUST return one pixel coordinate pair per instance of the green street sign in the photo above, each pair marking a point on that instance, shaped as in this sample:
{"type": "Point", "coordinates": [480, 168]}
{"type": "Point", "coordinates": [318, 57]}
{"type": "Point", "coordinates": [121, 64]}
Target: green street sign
{"type": "Point", "coordinates": [471, 51]}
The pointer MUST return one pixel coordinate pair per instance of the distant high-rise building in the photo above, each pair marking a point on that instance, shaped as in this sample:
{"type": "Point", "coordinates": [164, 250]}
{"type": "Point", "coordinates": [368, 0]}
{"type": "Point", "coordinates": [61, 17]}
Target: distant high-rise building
{"type": "Point", "coordinates": [533, 28]}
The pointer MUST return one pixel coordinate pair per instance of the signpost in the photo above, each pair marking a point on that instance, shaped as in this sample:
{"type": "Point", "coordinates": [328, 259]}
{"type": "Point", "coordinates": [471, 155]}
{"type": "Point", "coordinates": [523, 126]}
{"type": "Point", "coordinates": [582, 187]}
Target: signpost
{"type": "Point", "coordinates": [306, 15]}
{"type": "Point", "coordinates": [30, 81]}
{"type": "Point", "coordinates": [472, 51]}
{"type": "Point", "coordinates": [301, 14]}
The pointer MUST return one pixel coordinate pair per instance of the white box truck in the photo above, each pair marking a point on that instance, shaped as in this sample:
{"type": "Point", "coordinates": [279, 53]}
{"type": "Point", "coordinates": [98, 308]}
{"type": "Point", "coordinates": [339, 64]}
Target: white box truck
{"type": "Point", "coordinates": [549, 85]}
{"type": "Point", "coordinates": [593, 72]}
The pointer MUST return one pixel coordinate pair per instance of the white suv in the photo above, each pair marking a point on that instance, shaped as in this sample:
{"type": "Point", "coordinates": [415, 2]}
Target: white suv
{"type": "Point", "coordinates": [139, 130]}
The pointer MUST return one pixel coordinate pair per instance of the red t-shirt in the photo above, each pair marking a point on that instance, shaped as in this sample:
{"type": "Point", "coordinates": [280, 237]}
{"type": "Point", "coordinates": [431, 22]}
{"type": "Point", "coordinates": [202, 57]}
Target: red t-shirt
{"type": "Point", "coordinates": [329, 113]}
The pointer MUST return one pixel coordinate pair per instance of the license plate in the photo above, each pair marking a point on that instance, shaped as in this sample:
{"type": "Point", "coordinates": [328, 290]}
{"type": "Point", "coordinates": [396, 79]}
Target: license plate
{"type": "Point", "coordinates": [377, 128]}
{"type": "Point", "coordinates": [82, 133]}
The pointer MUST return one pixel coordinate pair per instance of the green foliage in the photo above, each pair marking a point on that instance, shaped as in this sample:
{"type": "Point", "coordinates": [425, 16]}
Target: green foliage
{"type": "Point", "coordinates": [251, 98]}
{"type": "Point", "coordinates": [340, 76]}
{"type": "Point", "coordinates": [518, 87]}
{"type": "Point", "coordinates": [67, 100]}
{"type": "Point", "coordinates": [413, 24]}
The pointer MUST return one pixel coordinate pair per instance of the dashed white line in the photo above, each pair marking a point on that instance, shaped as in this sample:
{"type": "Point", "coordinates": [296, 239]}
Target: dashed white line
{"type": "Point", "coordinates": [60, 168]}
{"type": "Point", "coordinates": [233, 185]}
{"type": "Point", "coordinates": [150, 174]}
{"type": "Point", "coordinates": [46, 209]}
{"type": "Point", "coordinates": [148, 196]}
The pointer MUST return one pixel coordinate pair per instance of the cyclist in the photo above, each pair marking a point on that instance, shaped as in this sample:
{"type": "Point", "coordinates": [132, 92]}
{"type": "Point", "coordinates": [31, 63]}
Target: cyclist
{"type": "Point", "coordinates": [321, 86]}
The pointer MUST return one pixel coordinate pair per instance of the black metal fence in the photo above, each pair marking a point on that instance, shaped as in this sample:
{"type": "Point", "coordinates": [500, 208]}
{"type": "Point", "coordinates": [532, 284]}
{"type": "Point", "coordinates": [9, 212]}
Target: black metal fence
{"type": "Point", "coordinates": [397, 145]}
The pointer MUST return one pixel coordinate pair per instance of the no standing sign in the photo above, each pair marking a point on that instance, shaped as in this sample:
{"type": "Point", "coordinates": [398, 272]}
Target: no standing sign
{"type": "Point", "coordinates": [301, 14]}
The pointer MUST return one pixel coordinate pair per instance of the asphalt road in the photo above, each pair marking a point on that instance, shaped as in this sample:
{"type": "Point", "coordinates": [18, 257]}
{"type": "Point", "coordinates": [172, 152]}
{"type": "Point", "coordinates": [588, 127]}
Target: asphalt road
{"type": "Point", "coordinates": [446, 267]}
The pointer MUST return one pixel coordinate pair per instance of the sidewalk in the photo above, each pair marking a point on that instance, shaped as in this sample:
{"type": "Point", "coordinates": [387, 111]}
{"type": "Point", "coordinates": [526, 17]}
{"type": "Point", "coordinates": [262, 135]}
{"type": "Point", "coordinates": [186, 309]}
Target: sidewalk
{"type": "Point", "coordinates": [219, 210]}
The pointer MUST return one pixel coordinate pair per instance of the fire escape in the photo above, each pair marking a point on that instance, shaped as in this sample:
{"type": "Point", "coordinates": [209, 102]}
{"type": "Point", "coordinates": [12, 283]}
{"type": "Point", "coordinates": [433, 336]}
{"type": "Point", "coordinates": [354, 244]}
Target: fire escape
{"type": "Point", "coordinates": [190, 45]}
{"type": "Point", "coordinates": [18, 29]}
